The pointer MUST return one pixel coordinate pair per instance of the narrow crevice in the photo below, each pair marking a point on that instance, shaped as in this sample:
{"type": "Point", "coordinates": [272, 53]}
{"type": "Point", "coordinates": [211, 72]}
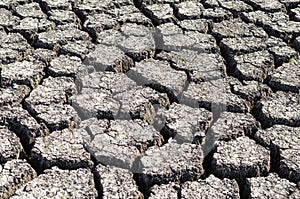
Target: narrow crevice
{"type": "Point", "coordinates": [244, 194]}
{"type": "Point", "coordinates": [25, 141]}
{"type": "Point", "coordinates": [159, 42]}
{"type": "Point", "coordinates": [82, 18]}
{"type": "Point", "coordinates": [207, 5]}
{"type": "Point", "coordinates": [1, 81]}
{"type": "Point", "coordinates": [287, 38]}
{"type": "Point", "coordinates": [256, 112]}
{"type": "Point", "coordinates": [141, 187]}
{"type": "Point", "coordinates": [97, 180]}
{"type": "Point", "coordinates": [43, 6]}
{"type": "Point", "coordinates": [275, 158]}
{"type": "Point", "coordinates": [179, 193]}
{"type": "Point", "coordinates": [207, 163]}
{"type": "Point", "coordinates": [143, 10]}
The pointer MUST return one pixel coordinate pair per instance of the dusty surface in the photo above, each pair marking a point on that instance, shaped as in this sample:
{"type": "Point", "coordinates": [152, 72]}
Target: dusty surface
{"type": "Point", "coordinates": [149, 99]}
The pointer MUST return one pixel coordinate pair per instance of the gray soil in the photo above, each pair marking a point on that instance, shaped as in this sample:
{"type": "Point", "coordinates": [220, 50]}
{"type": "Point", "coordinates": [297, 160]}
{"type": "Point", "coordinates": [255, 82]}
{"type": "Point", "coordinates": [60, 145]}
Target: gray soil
{"type": "Point", "coordinates": [149, 99]}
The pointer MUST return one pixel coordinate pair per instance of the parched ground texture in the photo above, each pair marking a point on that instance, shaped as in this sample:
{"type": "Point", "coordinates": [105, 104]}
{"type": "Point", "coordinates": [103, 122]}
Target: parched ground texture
{"type": "Point", "coordinates": [149, 99]}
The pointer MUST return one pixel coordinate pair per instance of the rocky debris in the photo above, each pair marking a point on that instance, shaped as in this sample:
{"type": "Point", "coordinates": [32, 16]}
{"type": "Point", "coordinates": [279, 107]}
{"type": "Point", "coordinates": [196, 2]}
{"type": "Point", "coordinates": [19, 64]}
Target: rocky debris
{"type": "Point", "coordinates": [21, 123]}
{"type": "Point", "coordinates": [111, 59]}
{"type": "Point", "coordinates": [59, 184]}
{"type": "Point", "coordinates": [116, 182]}
{"type": "Point", "coordinates": [286, 77]}
{"type": "Point", "coordinates": [122, 97]}
{"type": "Point", "coordinates": [215, 96]}
{"type": "Point", "coordinates": [237, 28]}
{"type": "Point", "coordinates": [183, 123]}
{"type": "Point", "coordinates": [211, 187]}
{"type": "Point", "coordinates": [118, 142]}
{"type": "Point", "coordinates": [188, 10]}
{"type": "Point", "coordinates": [164, 191]}
{"type": "Point", "coordinates": [13, 174]}
{"type": "Point", "coordinates": [11, 147]}
{"type": "Point", "coordinates": [289, 164]}
{"type": "Point", "coordinates": [69, 66]}
{"type": "Point", "coordinates": [247, 160]}
{"type": "Point", "coordinates": [13, 95]}
{"type": "Point", "coordinates": [13, 47]}
{"type": "Point", "coordinates": [229, 126]}
{"type": "Point", "coordinates": [167, 80]}
{"type": "Point", "coordinates": [49, 103]}
{"type": "Point", "coordinates": [198, 66]}
{"type": "Point", "coordinates": [172, 162]}
{"type": "Point", "coordinates": [63, 149]}
{"type": "Point", "coordinates": [279, 108]}
{"type": "Point", "coordinates": [251, 91]}
{"type": "Point", "coordinates": [252, 66]}
{"type": "Point", "coordinates": [24, 72]}
{"type": "Point", "coordinates": [270, 186]}
{"type": "Point", "coordinates": [159, 13]}
{"type": "Point", "coordinates": [172, 38]}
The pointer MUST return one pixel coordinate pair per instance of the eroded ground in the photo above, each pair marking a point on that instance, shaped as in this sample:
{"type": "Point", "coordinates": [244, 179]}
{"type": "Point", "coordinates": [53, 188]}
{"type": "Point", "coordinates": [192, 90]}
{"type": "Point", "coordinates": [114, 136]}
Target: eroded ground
{"type": "Point", "coordinates": [149, 99]}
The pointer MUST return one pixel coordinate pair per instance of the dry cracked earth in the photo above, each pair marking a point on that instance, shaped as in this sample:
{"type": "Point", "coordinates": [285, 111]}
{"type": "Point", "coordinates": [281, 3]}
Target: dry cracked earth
{"type": "Point", "coordinates": [149, 99]}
